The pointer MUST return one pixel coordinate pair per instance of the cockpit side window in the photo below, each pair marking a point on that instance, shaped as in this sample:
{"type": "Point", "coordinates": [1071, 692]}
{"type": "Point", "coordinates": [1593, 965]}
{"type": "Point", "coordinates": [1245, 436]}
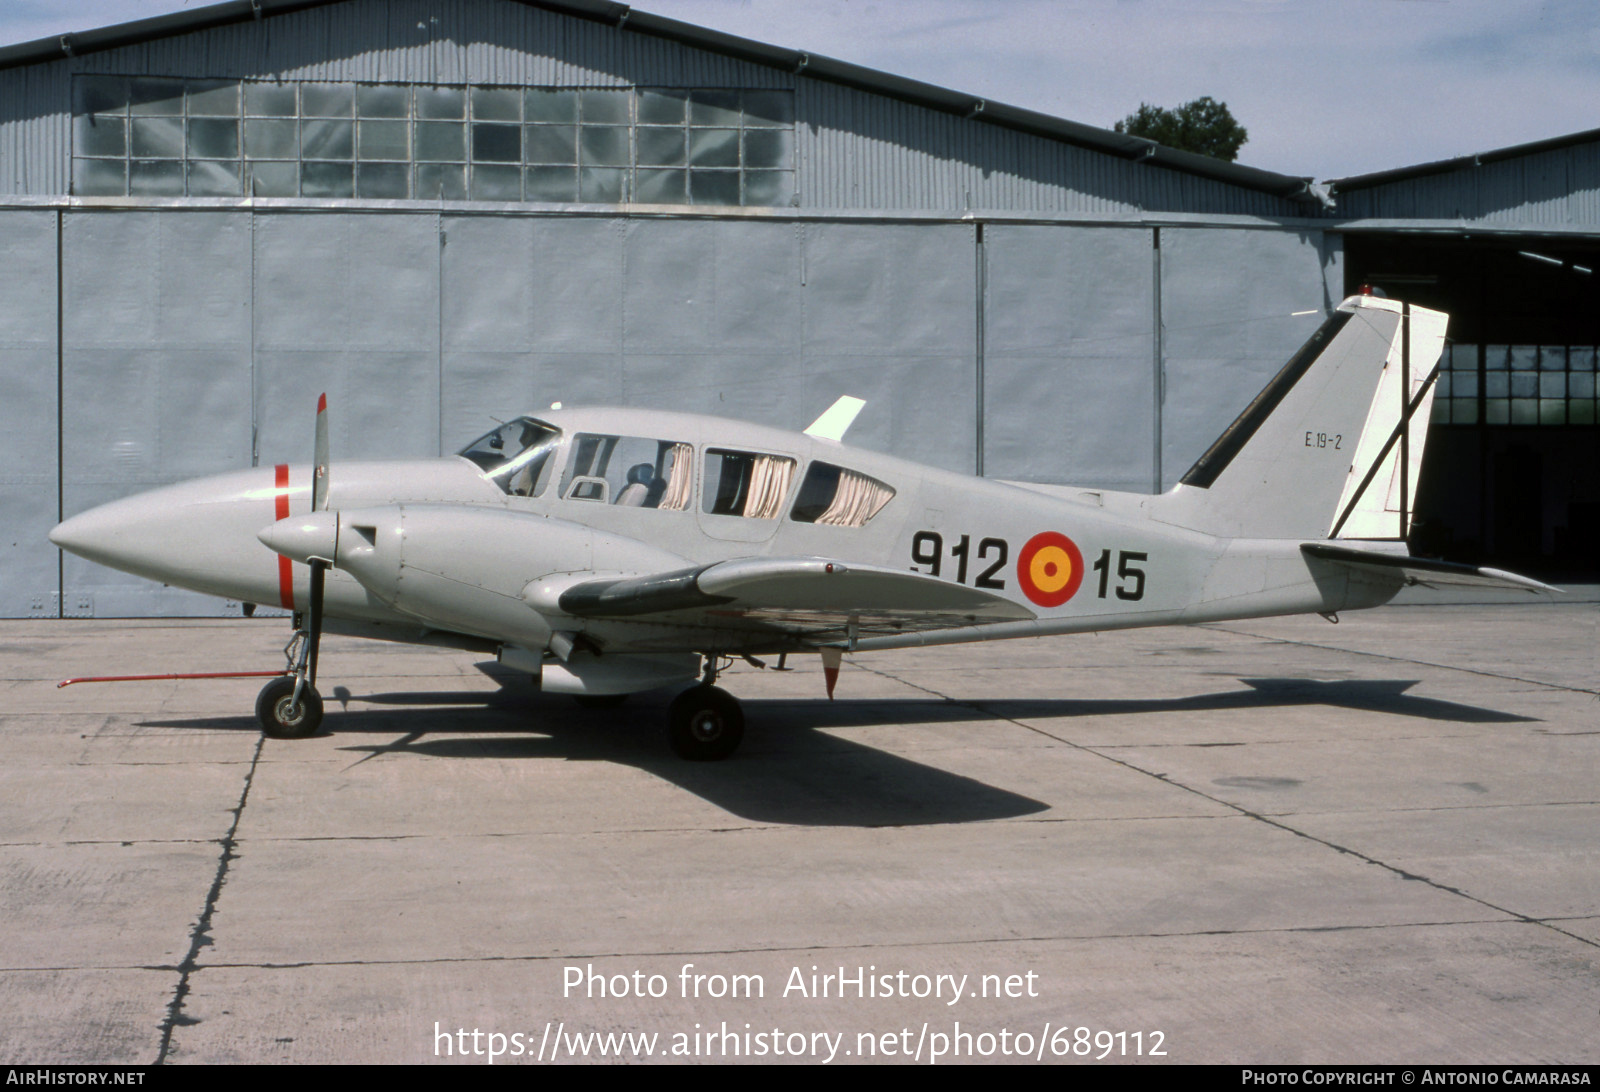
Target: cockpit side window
{"type": "Point", "coordinates": [746, 483]}
{"type": "Point", "coordinates": [837, 497]}
{"type": "Point", "coordinates": [629, 471]}
{"type": "Point", "coordinates": [517, 456]}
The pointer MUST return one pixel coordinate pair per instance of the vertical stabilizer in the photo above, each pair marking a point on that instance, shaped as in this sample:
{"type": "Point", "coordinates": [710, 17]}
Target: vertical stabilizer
{"type": "Point", "coordinates": [1321, 446]}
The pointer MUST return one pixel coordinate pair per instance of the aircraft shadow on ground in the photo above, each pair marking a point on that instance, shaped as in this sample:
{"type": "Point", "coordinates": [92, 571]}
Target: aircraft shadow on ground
{"type": "Point", "coordinates": [789, 769]}
{"type": "Point", "coordinates": [1366, 695]}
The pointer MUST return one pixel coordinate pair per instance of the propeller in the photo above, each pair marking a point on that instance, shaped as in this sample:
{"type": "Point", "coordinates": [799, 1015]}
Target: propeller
{"type": "Point", "coordinates": [319, 566]}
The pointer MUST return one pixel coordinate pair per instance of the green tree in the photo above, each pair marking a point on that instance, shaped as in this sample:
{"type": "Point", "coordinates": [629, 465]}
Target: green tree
{"type": "Point", "coordinates": [1204, 126]}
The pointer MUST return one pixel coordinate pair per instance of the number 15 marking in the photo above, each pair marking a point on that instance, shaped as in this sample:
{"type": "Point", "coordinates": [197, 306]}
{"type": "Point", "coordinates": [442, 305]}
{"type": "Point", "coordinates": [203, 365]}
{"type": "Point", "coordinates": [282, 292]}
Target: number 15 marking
{"type": "Point", "coordinates": [1126, 572]}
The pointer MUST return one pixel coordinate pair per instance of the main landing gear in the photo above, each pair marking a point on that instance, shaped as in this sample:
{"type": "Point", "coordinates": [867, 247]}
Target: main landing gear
{"type": "Point", "coordinates": [705, 722]}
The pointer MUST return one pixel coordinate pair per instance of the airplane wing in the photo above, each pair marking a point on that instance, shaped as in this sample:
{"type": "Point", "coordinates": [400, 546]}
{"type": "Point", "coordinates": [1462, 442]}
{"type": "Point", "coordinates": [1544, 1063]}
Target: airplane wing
{"type": "Point", "coordinates": [816, 598]}
{"type": "Point", "coordinates": [1420, 570]}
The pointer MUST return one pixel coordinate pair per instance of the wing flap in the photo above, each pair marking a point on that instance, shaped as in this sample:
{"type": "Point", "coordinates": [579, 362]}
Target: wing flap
{"type": "Point", "coordinates": [1428, 572]}
{"type": "Point", "coordinates": [815, 596]}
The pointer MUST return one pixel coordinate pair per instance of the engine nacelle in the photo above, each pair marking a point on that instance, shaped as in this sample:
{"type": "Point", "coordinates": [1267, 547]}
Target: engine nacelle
{"type": "Point", "coordinates": [459, 567]}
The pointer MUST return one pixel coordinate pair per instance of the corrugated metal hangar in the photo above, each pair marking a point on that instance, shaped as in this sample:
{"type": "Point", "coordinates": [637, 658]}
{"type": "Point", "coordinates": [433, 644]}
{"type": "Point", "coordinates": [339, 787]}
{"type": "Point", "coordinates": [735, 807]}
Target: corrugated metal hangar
{"type": "Point", "coordinates": [445, 212]}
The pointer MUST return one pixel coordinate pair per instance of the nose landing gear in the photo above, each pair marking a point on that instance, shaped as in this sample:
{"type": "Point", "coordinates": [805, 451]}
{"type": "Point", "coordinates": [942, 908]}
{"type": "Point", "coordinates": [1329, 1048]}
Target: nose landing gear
{"type": "Point", "coordinates": [289, 706]}
{"type": "Point", "coordinates": [283, 714]}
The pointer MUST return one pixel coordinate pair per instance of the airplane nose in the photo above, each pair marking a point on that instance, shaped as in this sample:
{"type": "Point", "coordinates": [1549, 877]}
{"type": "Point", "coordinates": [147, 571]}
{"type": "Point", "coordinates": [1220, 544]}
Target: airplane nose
{"type": "Point", "coordinates": [80, 533]}
{"type": "Point", "coordinates": [198, 534]}
{"type": "Point", "coordinates": [132, 534]}
{"type": "Point", "coordinates": [301, 538]}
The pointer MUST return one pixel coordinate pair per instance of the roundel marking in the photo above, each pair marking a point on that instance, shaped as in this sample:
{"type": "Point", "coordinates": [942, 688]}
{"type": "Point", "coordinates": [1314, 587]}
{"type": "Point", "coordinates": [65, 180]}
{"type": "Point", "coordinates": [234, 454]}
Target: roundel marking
{"type": "Point", "coordinates": [1050, 568]}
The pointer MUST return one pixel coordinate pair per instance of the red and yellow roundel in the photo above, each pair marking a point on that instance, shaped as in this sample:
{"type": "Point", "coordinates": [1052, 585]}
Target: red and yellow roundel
{"type": "Point", "coordinates": [1049, 569]}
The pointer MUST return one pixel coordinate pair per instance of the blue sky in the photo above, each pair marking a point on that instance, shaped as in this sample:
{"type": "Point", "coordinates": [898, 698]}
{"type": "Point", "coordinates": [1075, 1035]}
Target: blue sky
{"type": "Point", "coordinates": [1325, 87]}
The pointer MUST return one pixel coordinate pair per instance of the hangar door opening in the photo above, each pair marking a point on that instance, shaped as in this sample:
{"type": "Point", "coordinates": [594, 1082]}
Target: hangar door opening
{"type": "Point", "coordinates": [1512, 471]}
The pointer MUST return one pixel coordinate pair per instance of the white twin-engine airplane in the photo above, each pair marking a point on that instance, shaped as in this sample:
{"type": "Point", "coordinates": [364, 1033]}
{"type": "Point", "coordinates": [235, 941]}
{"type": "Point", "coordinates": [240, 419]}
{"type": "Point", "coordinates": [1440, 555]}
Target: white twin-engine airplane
{"type": "Point", "coordinates": [610, 551]}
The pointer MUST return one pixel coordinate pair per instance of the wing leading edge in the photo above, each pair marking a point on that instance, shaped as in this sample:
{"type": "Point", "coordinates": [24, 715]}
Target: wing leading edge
{"type": "Point", "coordinates": [820, 599]}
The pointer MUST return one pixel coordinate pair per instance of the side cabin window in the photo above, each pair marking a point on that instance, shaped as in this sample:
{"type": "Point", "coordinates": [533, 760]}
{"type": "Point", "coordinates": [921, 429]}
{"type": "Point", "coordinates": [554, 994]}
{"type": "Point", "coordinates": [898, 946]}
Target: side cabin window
{"type": "Point", "coordinates": [518, 456]}
{"type": "Point", "coordinates": [838, 497]}
{"type": "Point", "coordinates": [630, 471]}
{"type": "Point", "coordinates": [746, 483]}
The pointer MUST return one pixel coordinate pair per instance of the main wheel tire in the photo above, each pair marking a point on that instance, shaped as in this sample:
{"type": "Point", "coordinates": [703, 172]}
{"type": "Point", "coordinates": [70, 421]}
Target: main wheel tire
{"type": "Point", "coordinates": [599, 701]}
{"type": "Point", "coordinates": [274, 709]}
{"type": "Point", "coordinates": [705, 724]}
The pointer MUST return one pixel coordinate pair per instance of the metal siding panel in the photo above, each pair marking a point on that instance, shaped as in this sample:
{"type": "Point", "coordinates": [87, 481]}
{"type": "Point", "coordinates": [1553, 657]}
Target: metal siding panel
{"type": "Point", "coordinates": [515, 284]}
{"type": "Point", "coordinates": [859, 150]}
{"type": "Point", "coordinates": [1224, 334]}
{"type": "Point", "coordinates": [712, 319]}
{"type": "Point", "coordinates": [725, 285]}
{"type": "Point", "coordinates": [347, 303]}
{"type": "Point", "coordinates": [1529, 189]}
{"type": "Point", "coordinates": [532, 314]}
{"type": "Point", "coordinates": [891, 316]}
{"type": "Point", "coordinates": [1559, 187]}
{"type": "Point", "coordinates": [28, 468]}
{"type": "Point", "coordinates": [35, 129]}
{"type": "Point", "coordinates": [433, 41]}
{"type": "Point", "coordinates": [156, 374]}
{"type": "Point", "coordinates": [776, 293]}
{"type": "Point", "coordinates": [1069, 387]}
{"type": "Point", "coordinates": [1584, 178]}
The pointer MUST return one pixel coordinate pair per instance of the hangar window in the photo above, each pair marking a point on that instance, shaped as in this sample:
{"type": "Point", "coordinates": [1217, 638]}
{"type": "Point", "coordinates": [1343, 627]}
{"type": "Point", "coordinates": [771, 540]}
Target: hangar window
{"type": "Point", "coordinates": [744, 483]}
{"type": "Point", "coordinates": [175, 137]}
{"type": "Point", "coordinates": [837, 497]}
{"type": "Point", "coordinates": [1517, 385]}
{"type": "Point", "coordinates": [629, 471]}
{"type": "Point", "coordinates": [517, 456]}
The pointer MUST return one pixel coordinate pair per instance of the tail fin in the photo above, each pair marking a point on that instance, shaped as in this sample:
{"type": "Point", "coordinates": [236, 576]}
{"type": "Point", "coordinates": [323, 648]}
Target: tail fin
{"type": "Point", "coordinates": [1322, 452]}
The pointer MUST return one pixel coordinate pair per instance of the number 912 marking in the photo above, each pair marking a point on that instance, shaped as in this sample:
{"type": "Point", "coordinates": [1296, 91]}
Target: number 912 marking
{"type": "Point", "coordinates": [927, 548]}
{"type": "Point", "coordinates": [928, 551]}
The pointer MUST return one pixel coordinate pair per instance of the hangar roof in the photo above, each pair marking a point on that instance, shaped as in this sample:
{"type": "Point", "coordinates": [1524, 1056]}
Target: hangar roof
{"type": "Point", "coordinates": [1463, 162]}
{"type": "Point", "coordinates": [1542, 186]}
{"type": "Point", "coordinates": [828, 69]}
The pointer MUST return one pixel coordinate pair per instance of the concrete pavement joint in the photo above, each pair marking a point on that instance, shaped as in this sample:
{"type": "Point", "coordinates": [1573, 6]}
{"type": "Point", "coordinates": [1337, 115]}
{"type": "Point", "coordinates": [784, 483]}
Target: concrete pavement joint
{"type": "Point", "coordinates": [1067, 938]}
{"type": "Point", "coordinates": [200, 936]}
{"type": "Point", "coordinates": [1259, 817]}
{"type": "Point", "coordinates": [1404, 660]}
{"type": "Point", "coordinates": [1042, 938]}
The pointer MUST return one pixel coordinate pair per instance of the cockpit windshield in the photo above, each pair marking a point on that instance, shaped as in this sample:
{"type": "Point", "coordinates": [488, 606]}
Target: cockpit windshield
{"type": "Point", "coordinates": [516, 456]}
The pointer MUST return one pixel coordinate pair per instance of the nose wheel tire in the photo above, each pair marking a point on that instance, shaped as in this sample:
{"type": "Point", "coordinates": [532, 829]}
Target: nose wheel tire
{"type": "Point", "coordinates": [705, 724]}
{"type": "Point", "coordinates": [280, 717]}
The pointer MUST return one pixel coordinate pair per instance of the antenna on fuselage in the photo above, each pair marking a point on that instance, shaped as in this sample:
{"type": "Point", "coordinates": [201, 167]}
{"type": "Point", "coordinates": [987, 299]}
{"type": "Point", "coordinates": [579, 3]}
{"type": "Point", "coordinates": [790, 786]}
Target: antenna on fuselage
{"type": "Point", "coordinates": [836, 419]}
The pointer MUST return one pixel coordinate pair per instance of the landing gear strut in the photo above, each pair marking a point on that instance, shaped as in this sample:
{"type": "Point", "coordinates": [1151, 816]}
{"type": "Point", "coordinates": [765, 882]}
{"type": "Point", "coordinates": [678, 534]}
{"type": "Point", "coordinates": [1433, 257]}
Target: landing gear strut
{"type": "Point", "coordinates": [705, 722]}
{"type": "Point", "coordinates": [289, 707]}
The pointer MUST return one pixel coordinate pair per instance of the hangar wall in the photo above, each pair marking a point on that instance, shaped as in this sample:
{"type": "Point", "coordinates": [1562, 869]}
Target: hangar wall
{"type": "Point", "coordinates": [29, 456]}
{"type": "Point", "coordinates": [194, 341]}
{"type": "Point", "coordinates": [1013, 294]}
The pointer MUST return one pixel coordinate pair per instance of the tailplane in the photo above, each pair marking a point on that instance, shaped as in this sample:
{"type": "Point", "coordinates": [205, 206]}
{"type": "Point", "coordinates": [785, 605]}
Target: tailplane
{"type": "Point", "coordinates": [1331, 447]}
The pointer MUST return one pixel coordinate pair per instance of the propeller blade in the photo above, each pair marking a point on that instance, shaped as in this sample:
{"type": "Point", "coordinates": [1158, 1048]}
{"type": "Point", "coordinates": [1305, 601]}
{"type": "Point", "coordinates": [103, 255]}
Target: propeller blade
{"type": "Point", "coordinates": [319, 477]}
{"type": "Point", "coordinates": [319, 571]}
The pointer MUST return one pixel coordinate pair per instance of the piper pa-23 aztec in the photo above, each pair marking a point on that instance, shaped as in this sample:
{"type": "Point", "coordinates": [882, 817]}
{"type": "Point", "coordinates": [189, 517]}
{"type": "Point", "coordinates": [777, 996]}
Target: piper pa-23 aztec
{"type": "Point", "coordinates": [611, 551]}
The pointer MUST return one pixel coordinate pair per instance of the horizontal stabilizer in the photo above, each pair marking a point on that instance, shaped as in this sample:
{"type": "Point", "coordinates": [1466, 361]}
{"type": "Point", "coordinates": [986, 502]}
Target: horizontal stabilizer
{"type": "Point", "coordinates": [814, 596]}
{"type": "Point", "coordinates": [1421, 570]}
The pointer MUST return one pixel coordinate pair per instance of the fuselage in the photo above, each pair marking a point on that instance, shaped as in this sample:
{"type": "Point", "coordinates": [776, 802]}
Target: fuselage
{"type": "Point", "coordinates": [468, 537]}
